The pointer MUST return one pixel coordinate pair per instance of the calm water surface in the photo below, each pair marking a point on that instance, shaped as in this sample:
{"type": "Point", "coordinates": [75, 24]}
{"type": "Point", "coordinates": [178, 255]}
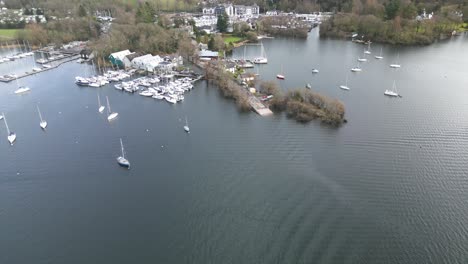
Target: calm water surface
{"type": "Point", "coordinates": [388, 187]}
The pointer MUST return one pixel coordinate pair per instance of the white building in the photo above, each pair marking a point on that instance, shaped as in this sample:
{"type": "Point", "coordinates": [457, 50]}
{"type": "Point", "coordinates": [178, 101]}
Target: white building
{"type": "Point", "coordinates": [146, 62]}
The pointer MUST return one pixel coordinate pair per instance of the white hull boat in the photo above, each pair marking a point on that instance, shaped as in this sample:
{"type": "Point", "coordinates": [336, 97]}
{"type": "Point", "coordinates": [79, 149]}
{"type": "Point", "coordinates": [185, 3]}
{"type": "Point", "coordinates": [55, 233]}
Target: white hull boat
{"type": "Point", "coordinates": [110, 115]}
{"type": "Point", "coordinates": [22, 90]}
{"type": "Point", "coordinates": [121, 160]}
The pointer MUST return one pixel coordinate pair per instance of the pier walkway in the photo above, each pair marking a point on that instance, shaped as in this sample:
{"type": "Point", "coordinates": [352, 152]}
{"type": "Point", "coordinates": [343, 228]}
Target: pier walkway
{"type": "Point", "coordinates": [9, 78]}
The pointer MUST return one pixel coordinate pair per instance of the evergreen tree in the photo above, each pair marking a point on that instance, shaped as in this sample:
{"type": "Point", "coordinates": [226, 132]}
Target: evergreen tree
{"type": "Point", "coordinates": [392, 8]}
{"type": "Point", "coordinates": [82, 11]}
{"type": "Point", "coordinates": [145, 13]}
{"type": "Point", "coordinates": [222, 23]}
{"type": "Point", "coordinates": [211, 43]}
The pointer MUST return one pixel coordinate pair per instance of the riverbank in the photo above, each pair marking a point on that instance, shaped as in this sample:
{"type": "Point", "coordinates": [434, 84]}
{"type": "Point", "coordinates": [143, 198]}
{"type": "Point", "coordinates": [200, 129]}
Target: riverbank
{"type": "Point", "coordinates": [396, 31]}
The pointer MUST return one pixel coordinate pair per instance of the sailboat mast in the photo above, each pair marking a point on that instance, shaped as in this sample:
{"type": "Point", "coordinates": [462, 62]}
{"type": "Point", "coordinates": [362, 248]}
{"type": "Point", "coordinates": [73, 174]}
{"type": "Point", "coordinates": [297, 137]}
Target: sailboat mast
{"type": "Point", "coordinates": [108, 105]}
{"type": "Point", "coordinates": [39, 111]}
{"type": "Point", "coordinates": [122, 148]}
{"type": "Point", "coordinates": [6, 124]}
{"type": "Point", "coordinates": [99, 100]}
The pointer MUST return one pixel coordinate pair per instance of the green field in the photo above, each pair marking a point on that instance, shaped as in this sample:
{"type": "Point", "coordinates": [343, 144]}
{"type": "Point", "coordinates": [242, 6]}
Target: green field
{"type": "Point", "coordinates": [8, 33]}
{"type": "Point", "coordinates": [233, 39]}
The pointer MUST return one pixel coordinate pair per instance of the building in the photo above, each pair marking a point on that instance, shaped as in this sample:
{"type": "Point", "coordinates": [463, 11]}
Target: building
{"type": "Point", "coordinates": [208, 11]}
{"type": "Point", "coordinates": [117, 58]}
{"type": "Point", "coordinates": [247, 77]}
{"type": "Point", "coordinates": [127, 61]}
{"type": "Point", "coordinates": [230, 67]}
{"type": "Point", "coordinates": [246, 11]}
{"type": "Point", "coordinates": [147, 62]}
{"type": "Point", "coordinates": [233, 11]}
{"type": "Point", "coordinates": [208, 55]}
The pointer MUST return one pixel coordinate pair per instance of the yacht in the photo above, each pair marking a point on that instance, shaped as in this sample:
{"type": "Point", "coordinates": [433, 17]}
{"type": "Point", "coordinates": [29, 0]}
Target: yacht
{"type": "Point", "coordinates": [43, 123]}
{"type": "Point", "coordinates": [146, 94]}
{"type": "Point", "coordinates": [121, 159]}
{"type": "Point", "coordinates": [362, 59]}
{"type": "Point", "coordinates": [11, 135]}
{"type": "Point", "coordinates": [396, 65]}
{"type": "Point", "coordinates": [392, 92]}
{"type": "Point", "coordinates": [110, 115]}
{"type": "Point", "coordinates": [345, 87]}
{"type": "Point", "coordinates": [368, 49]}
{"type": "Point", "coordinates": [379, 57]}
{"type": "Point", "coordinates": [101, 107]}
{"type": "Point", "coordinates": [22, 89]}
{"type": "Point", "coordinates": [315, 71]}
{"type": "Point", "coordinates": [186, 127]}
{"type": "Point", "coordinates": [262, 59]}
{"type": "Point", "coordinates": [170, 99]}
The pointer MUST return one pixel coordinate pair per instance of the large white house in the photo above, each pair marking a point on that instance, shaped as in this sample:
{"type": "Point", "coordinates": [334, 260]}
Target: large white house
{"type": "Point", "coordinates": [146, 62]}
{"type": "Point", "coordinates": [233, 11]}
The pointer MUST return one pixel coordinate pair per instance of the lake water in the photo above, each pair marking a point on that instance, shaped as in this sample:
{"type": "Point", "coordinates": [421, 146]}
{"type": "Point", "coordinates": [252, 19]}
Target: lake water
{"type": "Point", "coordinates": [388, 187]}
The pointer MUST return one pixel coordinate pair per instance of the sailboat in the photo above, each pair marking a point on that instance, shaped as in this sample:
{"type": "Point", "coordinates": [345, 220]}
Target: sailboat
{"type": "Point", "coordinates": [11, 135]}
{"type": "Point", "coordinates": [357, 68]}
{"type": "Point", "coordinates": [110, 115]}
{"type": "Point", "coordinates": [315, 71]}
{"type": "Point", "coordinates": [280, 76]}
{"type": "Point", "coordinates": [345, 87]}
{"type": "Point", "coordinates": [262, 59]}
{"type": "Point", "coordinates": [121, 159]}
{"type": "Point", "coordinates": [245, 63]}
{"type": "Point", "coordinates": [396, 65]}
{"type": "Point", "coordinates": [368, 49]}
{"type": "Point", "coordinates": [101, 107]}
{"type": "Point", "coordinates": [186, 127]}
{"type": "Point", "coordinates": [21, 89]}
{"type": "Point", "coordinates": [379, 57]}
{"type": "Point", "coordinates": [392, 92]}
{"type": "Point", "coordinates": [43, 123]}
{"type": "Point", "coordinates": [362, 59]}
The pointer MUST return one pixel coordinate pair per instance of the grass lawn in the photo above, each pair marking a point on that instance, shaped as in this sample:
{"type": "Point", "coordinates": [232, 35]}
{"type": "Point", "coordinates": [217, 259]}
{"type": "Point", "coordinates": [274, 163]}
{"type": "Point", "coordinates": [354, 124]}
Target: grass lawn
{"type": "Point", "coordinates": [8, 33]}
{"type": "Point", "coordinates": [233, 39]}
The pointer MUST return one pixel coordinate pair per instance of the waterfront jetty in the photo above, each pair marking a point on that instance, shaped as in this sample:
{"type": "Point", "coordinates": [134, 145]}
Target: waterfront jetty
{"type": "Point", "coordinates": [12, 77]}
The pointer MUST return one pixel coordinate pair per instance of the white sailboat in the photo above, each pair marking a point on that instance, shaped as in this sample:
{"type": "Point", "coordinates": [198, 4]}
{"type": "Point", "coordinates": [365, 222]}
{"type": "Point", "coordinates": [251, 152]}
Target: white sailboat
{"type": "Point", "coordinates": [110, 115]}
{"type": "Point", "coordinates": [368, 49]}
{"type": "Point", "coordinates": [21, 89]}
{"type": "Point", "coordinates": [393, 92]}
{"type": "Point", "coordinates": [281, 75]}
{"type": "Point", "coordinates": [345, 87]}
{"type": "Point", "coordinates": [315, 71]}
{"type": "Point", "coordinates": [396, 65]}
{"type": "Point", "coordinates": [43, 123]}
{"type": "Point", "coordinates": [121, 159]}
{"type": "Point", "coordinates": [357, 68]}
{"type": "Point", "coordinates": [11, 135]}
{"type": "Point", "coordinates": [379, 57]}
{"type": "Point", "coordinates": [101, 107]}
{"type": "Point", "coordinates": [362, 59]}
{"type": "Point", "coordinates": [262, 59]}
{"type": "Point", "coordinates": [186, 127]}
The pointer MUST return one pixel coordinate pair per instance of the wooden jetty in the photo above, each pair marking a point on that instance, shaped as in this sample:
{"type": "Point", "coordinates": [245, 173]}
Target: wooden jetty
{"type": "Point", "coordinates": [9, 78]}
{"type": "Point", "coordinates": [258, 106]}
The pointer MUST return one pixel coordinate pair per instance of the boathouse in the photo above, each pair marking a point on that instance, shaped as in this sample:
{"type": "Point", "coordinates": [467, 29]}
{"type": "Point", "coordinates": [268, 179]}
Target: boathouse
{"type": "Point", "coordinates": [117, 58]}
